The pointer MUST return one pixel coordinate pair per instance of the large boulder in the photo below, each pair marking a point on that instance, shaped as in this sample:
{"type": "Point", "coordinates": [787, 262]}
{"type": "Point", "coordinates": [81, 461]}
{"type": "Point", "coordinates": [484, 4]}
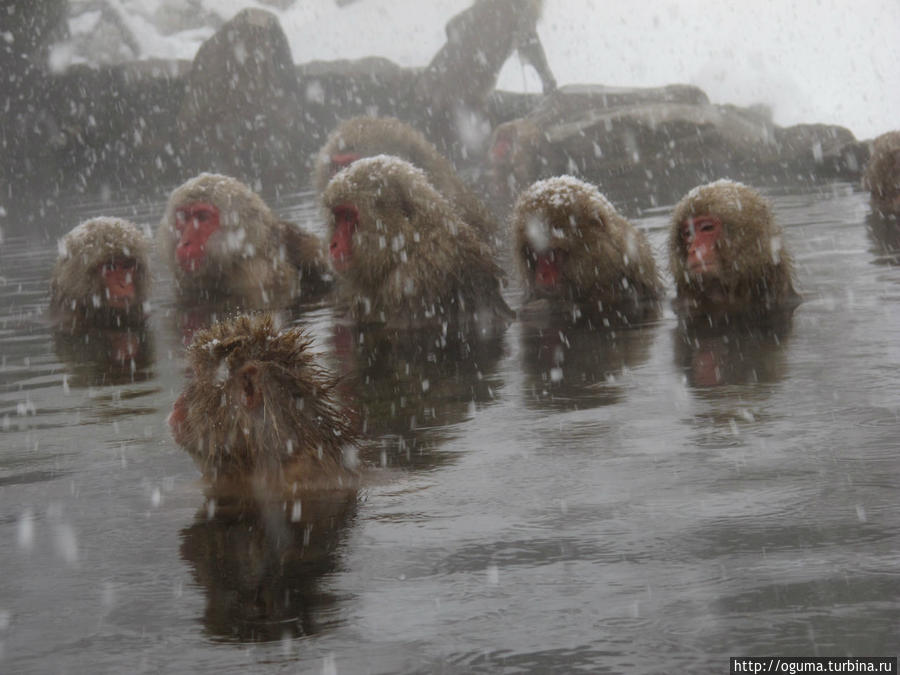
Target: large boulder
{"type": "Point", "coordinates": [242, 110]}
{"type": "Point", "coordinates": [646, 147]}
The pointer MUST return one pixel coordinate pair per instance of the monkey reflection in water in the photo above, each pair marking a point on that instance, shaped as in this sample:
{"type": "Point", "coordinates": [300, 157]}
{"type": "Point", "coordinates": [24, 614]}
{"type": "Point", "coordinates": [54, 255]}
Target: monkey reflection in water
{"type": "Point", "coordinates": [411, 387]}
{"type": "Point", "coordinates": [99, 292]}
{"type": "Point", "coordinates": [728, 257]}
{"type": "Point", "coordinates": [260, 566]}
{"type": "Point", "coordinates": [261, 420]}
{"type": "Point", "coordinates": [882, 179]}
{"type": "Point", "coordinates": [882, 175]}
{"type": "Point", "coordinates": [734, 283]}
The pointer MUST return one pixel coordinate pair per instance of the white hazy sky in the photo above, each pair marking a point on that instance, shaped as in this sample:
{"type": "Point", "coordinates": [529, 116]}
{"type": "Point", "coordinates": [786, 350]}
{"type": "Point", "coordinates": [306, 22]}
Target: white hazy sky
{"type": "Point", "coordinates": [834, 61]}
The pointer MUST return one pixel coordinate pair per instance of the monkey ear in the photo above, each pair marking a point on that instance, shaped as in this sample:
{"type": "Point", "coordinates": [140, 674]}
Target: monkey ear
{"type": "Point", "coordinates": [248, 379]}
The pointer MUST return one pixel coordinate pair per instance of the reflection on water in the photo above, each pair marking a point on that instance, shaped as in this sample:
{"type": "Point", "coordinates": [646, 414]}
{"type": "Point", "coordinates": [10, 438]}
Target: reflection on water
{"type": "Point", "coordinates": [106, 356]}
{"type": "Point", "coordinates": [410, 387]}
{"type": "Point", "coordinates": [647, 499]}
{"type": "Point", "coordinates": [733, 354]}
{"type": "Point", "coordinates": [259, 564]}
{"type": "Point", "coordinates": [571, 366]}
{"type": "Point", "coordinates": [884, 232]}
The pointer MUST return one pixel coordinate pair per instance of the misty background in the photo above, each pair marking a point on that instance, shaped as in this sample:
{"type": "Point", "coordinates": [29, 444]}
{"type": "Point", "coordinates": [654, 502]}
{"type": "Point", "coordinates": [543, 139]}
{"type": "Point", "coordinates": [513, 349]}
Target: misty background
{"type": "Point", "coordinates": [810, 61]}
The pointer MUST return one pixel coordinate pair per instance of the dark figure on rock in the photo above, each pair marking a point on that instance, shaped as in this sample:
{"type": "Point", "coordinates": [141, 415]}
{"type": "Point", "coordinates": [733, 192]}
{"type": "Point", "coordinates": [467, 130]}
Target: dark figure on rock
{"type": "Point", "coordinates": [101, 277]}
{"type": "Point", "coordinates": [258, 412]}
{"type": "Point", "coordinates": [226, 246]}
{"type": "Point", "coordinates": [578, 254]}
{"type": "Point", "coordinates": [454, 87]}
{"type": "Point", "coordinates": [369, 136]}
{"type": "Point", "coordinates": [882, 176]}
{"type": "Point", "coordinates": [727, 254]}
{"type": "Point", "coordinates": [403, 255]}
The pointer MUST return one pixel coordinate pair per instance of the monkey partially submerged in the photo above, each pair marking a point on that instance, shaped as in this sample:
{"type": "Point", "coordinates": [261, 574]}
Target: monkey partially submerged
{"type": "Point", "coordinates": [882, 175]}
{"type": "Point", "coordinates": [224, 244]}
{"type": "Point", "coordinates": [101, 276]}
{"type": "Point", "coordinates": [727, 254]}
{"type": "Point", "coordinates": [369, 136]}
{"type": "Point", "coordinates": [403, 255]}
{"type": "Point", "coordinates": [257, 409]}
{"type": "Point", "coordinates": [575, 251]}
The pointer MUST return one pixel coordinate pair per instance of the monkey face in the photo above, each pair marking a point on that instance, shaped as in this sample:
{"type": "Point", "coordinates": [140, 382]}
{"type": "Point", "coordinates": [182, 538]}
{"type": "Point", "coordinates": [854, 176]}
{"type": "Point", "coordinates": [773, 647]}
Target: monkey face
{"type": "Point", "coordinates": [701, 236]}
{"type": "Point", "coordinates": [119, 280]}
{"type": "Point", "coordinates": [546, 271]}
{"type": "Point", "coordinates": [195, 223]}
{"type": "Point", "coordinates": [346, 222]}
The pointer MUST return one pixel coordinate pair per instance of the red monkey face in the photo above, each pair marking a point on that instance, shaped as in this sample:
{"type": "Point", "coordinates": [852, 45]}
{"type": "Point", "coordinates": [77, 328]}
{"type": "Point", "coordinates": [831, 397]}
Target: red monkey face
{"type": "Point", "coordinates": [118, 281]}
{"type": "Point", "coordinates": [346, 220]}
{"type": "Point", "coordinates": [195, 223]}
{"type": "Point", "coordinates": [701, 234]}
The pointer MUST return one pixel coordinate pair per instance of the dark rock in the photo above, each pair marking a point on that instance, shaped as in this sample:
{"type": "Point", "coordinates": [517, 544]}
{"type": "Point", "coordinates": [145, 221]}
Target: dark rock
{"type": "Point", "coordinates": [241, 113]}
{"type": "Point", "coordinates": [646, 147]}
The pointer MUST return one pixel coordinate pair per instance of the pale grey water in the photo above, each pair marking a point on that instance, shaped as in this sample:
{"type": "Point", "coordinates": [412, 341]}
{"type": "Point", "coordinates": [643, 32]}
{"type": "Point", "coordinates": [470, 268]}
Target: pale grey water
{"type": "Point", "coordinates": [642, 507]}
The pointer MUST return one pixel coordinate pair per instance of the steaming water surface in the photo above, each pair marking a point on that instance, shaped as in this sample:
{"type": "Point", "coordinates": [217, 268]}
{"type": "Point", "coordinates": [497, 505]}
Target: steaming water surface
{"type": "Point", "coordinates": [630, 502]}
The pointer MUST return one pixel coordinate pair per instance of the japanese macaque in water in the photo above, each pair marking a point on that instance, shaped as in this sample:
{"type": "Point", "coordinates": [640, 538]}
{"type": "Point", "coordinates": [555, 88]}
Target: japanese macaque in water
{"type": "Point", "coordinates": [224, 244]}
{"type": "Point", "coordinates": [727, 255]}
{"type": "Point", "coordinates": [258, 411]}
{"type": "Point", "coordinates": [369, 136]}
{"type": "Point", "coordinates": [101, 275]}
{"type": "Point", "coordinates": [403, 255]}
{"type": "Point", "coordinates": [882, 176]}
{"type": "Point", "coordinates": [574, 249]}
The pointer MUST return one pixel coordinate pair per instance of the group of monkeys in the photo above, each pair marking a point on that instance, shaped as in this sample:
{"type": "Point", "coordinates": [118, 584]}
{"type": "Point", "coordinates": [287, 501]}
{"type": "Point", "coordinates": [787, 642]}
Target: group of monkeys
{"type": "Point", "coordinates": [408, 245]}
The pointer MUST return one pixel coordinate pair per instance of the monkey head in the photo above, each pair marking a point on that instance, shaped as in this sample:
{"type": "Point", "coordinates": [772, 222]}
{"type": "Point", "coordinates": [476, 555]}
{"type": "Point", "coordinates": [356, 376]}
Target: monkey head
{"type": "Point", "coordinates": [882, 174]}
{"type": "Point", "coordinates": [102, 269]}
{"type": "Point", "coordinates": [211, 223]}
{"type": "Point", "coordinates": [725, 248]}
{"type": "Point", "coordinates": [571, 244]}
{"type": "Point", "coordinates": [361, 137]}
{"type": "Point", "coordinates": [384, 216]}
{"type": "Point", "coordinates": [256, 403]}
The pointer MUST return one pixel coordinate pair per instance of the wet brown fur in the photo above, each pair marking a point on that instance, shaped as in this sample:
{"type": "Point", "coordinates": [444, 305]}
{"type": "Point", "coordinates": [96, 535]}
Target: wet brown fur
{"type": "Point", "coordinates": [370, 136]}
{"type": "Point", "coordinates": [283, 263]}
{"type": "Point", "coordinates": [757, 270]}
{"type": "Point", "coordinates": [77, 290]}
{"type": "Point", "coordinates": [882, 175]}
{"type": "Point", "coordinates": [294, 438]}
{"type": "Point", "coordinates": [608, 263]}
{"type": "Point", "coordinates": [414, 260]}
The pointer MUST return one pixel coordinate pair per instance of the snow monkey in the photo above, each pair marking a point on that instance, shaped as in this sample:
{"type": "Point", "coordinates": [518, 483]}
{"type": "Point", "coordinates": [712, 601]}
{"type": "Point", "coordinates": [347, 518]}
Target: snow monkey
{"type": "Point", "coordinates": [368, 136]}
{"type": "Point", "coordinates": [402, 254]}
{"type": "Point", "coordinates": [479, 41]}
{"type": "Point", "coordinates": [726, 253]}
{"type": "Point", "coordinates": [257, 408]}
{"type": "Point", "coordinates": [882, 175]}
{"type": "Point", "coordinates": [101, 275]}
{"type": "Point", "coordinates": [224, 243]}
{"type": "Point", "coordinates": [574, 249]}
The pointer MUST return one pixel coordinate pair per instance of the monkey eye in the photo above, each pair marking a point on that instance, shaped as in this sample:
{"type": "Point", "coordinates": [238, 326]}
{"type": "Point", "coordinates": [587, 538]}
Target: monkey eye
{"type": "Point", "coordinates": [201, 215]}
